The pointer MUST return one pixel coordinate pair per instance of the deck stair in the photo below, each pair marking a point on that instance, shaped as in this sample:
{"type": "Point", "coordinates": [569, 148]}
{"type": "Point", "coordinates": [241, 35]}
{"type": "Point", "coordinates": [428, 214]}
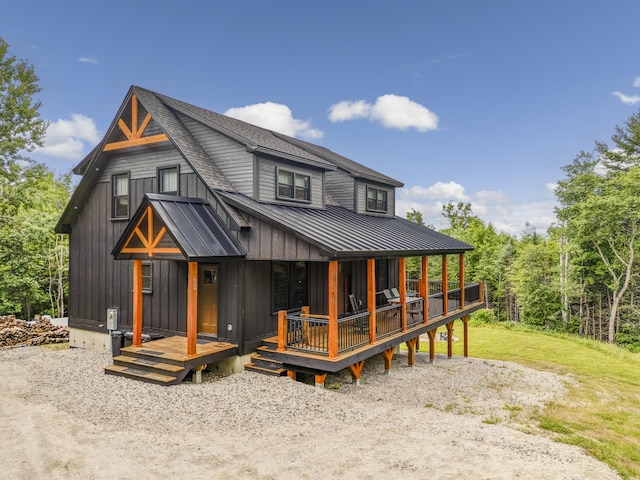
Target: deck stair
{"type": "Point", "coordinates": [148, 366]}
{"type": "Point", "coordinates": [166, 362]}
{"type": "Point", "coordinates": [263, 360]}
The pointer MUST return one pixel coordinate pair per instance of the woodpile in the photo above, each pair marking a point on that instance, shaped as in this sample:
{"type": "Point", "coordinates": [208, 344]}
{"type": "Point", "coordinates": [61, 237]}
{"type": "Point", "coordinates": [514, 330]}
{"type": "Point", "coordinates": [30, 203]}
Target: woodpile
{"type": "Point", "coordinates": [16, 332]}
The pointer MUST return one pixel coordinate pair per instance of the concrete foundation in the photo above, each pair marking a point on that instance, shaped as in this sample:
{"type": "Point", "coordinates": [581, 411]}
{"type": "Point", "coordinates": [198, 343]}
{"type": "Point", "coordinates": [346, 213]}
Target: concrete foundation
{"type": "Point", "coordinates": [95, 341]}
{"type": "Point", "coordinates": [230, 365]}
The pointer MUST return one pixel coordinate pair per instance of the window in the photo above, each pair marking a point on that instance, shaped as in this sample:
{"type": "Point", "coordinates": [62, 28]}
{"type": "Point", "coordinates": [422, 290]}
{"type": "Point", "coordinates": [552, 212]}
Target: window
{"type": "Point", "coordinates": [376, 200]}
{"type": "Point", "coordinates": [289, 281]}
{"type": "Point", "coordinates": [293, 186]}
{"type": "Point", "coordinates": [168, 179]}
{"type": "Point", "coordinates": [120, 184]}
{"type": "Point", "coordinates": [147, 277]}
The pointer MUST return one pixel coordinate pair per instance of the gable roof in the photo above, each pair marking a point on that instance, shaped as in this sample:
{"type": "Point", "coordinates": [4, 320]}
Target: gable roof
{"type": "Point", "coordinates": [195, 228]}
{"type": "Point", "coordinates": [342, 233]}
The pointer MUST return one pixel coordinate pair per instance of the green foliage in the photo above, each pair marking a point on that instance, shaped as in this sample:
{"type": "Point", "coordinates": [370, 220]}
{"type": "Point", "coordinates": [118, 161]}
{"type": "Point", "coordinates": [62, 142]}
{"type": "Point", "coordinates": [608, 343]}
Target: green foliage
{"type": "Point", "coordinates": [32, 258]}
{"type": "Point", "coordinates": [21, 128]}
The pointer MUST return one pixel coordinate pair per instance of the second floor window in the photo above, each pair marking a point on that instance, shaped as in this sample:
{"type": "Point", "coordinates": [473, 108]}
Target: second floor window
{"type": "Point", "coordinates": [120, 194]}
{"type": "Point", "coordinates": [376, 200]}
{"type": "Point", "coordinates": [168, 180]}
{"type": "Point", "coordinates": [294, 186]}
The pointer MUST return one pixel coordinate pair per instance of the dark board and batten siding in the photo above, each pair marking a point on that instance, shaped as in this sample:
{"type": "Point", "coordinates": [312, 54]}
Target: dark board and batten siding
{"type": "Point", "coordinates": [230, 156]}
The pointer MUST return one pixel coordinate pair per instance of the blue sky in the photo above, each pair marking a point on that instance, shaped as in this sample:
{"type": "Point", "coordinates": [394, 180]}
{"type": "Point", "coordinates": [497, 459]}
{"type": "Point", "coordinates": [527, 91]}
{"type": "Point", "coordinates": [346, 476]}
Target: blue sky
{"type": "Point", "coordinates": [474, 101]}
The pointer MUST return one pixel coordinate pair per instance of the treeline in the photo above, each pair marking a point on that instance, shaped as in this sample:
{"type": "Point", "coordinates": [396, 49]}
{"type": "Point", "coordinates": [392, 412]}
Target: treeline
{"type": "Point", "coordinates": [33, 259]}
{"type": "Point", "coordinates": [581, 276]}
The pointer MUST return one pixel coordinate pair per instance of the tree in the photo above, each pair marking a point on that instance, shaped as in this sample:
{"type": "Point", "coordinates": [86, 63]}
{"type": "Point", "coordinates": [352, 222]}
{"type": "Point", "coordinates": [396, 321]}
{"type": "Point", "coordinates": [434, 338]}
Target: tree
{"type": "Point", "coordinates": [21, 128]}
{"type": "Point", "coordinates": [600, 210]}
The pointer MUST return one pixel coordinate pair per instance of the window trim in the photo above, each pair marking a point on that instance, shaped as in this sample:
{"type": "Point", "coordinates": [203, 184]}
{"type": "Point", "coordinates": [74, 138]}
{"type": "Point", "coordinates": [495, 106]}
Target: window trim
{"type": "Point", "coordinates": [149, 277]}
{"type": "Point", "coordinates": [159, 179]}
{"type": "Point", "coordinates": [377, 192]}
{"type": "Point", "coordinates": [295, 175]}
{"type": "Point", "coordinates": [114, 197]}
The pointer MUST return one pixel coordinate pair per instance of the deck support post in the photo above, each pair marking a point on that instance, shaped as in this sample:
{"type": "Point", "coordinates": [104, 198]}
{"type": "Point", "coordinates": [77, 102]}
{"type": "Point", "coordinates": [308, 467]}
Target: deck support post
{"type": "Point", "coordinates": [371, 298]}
{"type": "Point", "coordinates": [192, 308]}
{"type": "Point", "coordinates": [333, 309]}
{"type": "Point", "coordinates": [450, 339]}
{"type": "Point", "coordinates": [355, 370]}
{"type": "Point", "coordinates": [423, 287]}
{"type": "Point", "coordinates": [320, 379]}
{"type": "Point", "coordinates": [196, 375]}
{"type": "Point", "coordinates": [432, 345]}
{"type": "Point", "coordinates": [388, 356]}
{"type": "Point", "coordinates": [461, 270]}
{"type": "Point", "coordinates": [445, 287]}
{"type": "Point", "coordinates": [465, 324]}
{"type": "Point", "coordinates": [403, 291]}
{"type": "Point", "coordinates": [282, 330]}
{"type": "Point", "coordinates": [137, 303]}
{"type": "Point", "coordinates": [291, 374]}
{"type": "Point", "coordinates": [411, 346]}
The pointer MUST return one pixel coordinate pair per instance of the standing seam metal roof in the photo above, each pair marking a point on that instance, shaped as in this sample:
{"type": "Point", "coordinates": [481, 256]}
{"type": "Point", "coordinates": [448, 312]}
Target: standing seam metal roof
{"type": "Point", "coordinates": [342, 232]}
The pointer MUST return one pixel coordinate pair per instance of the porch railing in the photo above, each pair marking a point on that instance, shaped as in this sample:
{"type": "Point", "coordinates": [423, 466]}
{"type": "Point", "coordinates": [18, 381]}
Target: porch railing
{"type": "Point", "coordinates": [310, 333]}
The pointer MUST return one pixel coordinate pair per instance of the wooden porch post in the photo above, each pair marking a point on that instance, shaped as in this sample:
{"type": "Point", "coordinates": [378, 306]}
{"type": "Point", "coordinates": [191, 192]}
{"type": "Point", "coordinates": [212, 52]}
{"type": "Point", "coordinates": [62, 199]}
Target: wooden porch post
{"type": "Point", "coordinates": [333, 308]}
{"type": "Point", "coordinates": [465, 323]}
{"type": "Point", "coordinates": [371, 298]}
{"type": "Point", "coordinates": [450, 339]}
{"type": "Point", "coordinates": [137, 303]}
{"type": "Point", "coordinates": [282, 330]}
{"type": "Point", "coordinates": [445, 287]}
{"type": "Point", "coordinates": [462, 280]}
{"type": "Point", "coordinates": [403, 291]}
{"type": "Point", "coordinates": [424, 288]}
{"type": "Point", "coordinates": [432, 345]}
{"type": "Point", "coordinates": [192, 308]}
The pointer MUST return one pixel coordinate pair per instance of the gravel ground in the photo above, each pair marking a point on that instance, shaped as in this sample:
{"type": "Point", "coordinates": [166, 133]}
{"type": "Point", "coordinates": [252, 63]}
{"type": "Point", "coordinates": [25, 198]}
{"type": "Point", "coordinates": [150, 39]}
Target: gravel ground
{"type": "Point", "coordinates": [456, 418]}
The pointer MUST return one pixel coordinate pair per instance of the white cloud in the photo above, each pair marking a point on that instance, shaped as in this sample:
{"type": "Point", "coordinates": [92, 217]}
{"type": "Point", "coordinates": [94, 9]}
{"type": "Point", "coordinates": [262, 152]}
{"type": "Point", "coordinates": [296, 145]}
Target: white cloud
{"type": "Point", "coordinates": [87, 60]}
{"type": "Point", "coordinates": [277, 117]}
{"type": "Point", "coordinates": [495, 207]}
{"type": "Point", "coordinates": [348, 110]}
{"type": "Point", "coordinates": [627, 99]}
{"type": "Point", "coordinates": [391, 111]}
{"type": "Point", "coordinates": [438, 191]}
{"type": "Point", "coordinates": [67, 138]}
{"type": "Point", "coordinates": [636, 82]}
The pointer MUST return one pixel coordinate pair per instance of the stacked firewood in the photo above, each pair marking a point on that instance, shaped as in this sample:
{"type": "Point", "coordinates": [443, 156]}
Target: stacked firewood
{"type": "Point", "coordinates": [16, 332]}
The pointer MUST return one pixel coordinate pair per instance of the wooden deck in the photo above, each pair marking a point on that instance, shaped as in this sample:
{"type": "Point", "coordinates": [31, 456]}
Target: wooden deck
{"type": "Point", "coordinates": [166, 361]}
{"type": "Point", "coordinates": [312, 362]}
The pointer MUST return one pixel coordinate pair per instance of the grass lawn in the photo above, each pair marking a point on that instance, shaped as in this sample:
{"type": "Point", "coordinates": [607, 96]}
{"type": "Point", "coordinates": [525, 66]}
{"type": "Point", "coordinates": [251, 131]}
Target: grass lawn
{"type": "Point", "coordinates": [602, 411]}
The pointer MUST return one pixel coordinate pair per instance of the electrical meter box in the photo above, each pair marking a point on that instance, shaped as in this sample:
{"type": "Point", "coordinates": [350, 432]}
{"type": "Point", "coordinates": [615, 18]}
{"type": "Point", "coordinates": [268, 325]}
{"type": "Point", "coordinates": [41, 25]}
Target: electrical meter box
{"type": "Point", "coordinates": [112, 319]}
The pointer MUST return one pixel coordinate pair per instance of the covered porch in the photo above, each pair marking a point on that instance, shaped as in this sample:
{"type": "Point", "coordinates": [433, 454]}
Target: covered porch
{"type": "Point", "coordinates": [322, 342]}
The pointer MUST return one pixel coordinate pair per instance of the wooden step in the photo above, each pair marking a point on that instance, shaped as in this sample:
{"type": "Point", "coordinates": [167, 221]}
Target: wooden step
{"type": "Point", "coordinates": [140, 374]}
{"type": "Point", "coordinates": [265, 371]}
{"type": "Point", "coordinates": [151, 365]}
{"type": "Point", "coordinates": [265, 362]}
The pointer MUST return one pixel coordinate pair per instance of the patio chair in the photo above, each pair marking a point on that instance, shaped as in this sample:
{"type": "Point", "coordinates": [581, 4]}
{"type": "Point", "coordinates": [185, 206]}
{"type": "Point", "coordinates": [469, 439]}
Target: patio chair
{"type": "Point", "coordinates": [362, 323]}
{"type": "Point", "coordinates": [387, 295]}
{"type": "Point", "coordinates": [395, 292]}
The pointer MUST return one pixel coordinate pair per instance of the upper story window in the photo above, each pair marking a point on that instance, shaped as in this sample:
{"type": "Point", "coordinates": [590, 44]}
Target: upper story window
{"type": "Point", "coordinates": [293, 186]}
{"type": "Point", "coordinates": [120, 195]}
{"type": "Point", "coordinates": [376, 200]}
{"type": "Point", "coordinates": [168, 180]}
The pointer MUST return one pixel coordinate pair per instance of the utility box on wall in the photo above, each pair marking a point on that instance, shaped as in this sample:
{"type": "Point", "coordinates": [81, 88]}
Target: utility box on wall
{"type": "Point", "coordinates": [112, 319]}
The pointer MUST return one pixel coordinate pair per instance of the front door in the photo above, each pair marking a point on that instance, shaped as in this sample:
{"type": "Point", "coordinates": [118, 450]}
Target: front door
{"type": "Point", "coordinates": [208, 299]}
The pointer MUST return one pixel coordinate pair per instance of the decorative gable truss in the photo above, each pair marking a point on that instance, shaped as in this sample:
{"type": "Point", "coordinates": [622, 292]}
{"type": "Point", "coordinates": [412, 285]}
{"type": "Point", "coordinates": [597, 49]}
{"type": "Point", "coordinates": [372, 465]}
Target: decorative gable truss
{"type": "Point", "coordinates": [149, 237]}
{"type": "Point", "coordinates": [134, 132]}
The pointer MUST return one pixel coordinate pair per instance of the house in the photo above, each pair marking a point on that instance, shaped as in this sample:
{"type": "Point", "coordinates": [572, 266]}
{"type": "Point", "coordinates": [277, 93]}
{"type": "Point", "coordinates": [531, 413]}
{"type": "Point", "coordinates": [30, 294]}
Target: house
{"type": "Point", "coordinates": [223, 243]}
